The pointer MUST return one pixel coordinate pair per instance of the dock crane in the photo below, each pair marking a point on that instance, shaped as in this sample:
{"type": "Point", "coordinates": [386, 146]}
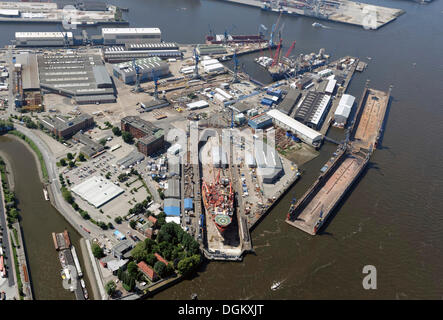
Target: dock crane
{"type": "Point", "coordinates": [137, 88]}
{"type": "Point", "coordinates": [196, 58]}
{"type": "Point", "coordinates": [235, 76]}
{"type": "Point", "coordinates": [155, 79]}
{"type": "Point", "coordinates": [277, 53]}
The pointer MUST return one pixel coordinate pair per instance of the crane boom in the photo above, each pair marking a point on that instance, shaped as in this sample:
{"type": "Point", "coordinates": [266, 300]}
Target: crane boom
{"type": "Point", "coordinates": [277, 53]}
{"type": "Point", "coordinates": [290, 49]}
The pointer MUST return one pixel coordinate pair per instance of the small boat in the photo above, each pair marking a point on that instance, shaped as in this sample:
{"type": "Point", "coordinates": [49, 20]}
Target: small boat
{"type": "Point", "coordinates": [275, 285]}
{"type": "Point", "coordinates": [317, 25]}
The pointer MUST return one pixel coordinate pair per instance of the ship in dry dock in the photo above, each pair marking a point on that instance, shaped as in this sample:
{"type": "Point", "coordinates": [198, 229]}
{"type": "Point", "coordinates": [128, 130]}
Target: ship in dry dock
{"type": "Point", "coordinates": [218, 200]}
{"type": "Point", "coordinates": [230, 39]}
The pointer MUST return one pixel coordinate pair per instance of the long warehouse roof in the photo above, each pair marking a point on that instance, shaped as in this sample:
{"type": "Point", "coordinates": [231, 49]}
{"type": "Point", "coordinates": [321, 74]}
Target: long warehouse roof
{"type": "Point", "coordinates": [131, 31]}
{"type": "Point", "coordinates": [294, 124]}
{"type": "Point", "coordinates": [97, 191]}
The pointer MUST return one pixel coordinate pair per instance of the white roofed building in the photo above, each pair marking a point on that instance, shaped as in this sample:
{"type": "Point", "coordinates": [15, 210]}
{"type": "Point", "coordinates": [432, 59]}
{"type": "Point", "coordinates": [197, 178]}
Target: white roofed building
{"type": "Point", "coordinates": [344, 109]}
{"type": "Point", "coordinates": [130, 35]}
{"type": "Point", "coordinates": [306, 134]}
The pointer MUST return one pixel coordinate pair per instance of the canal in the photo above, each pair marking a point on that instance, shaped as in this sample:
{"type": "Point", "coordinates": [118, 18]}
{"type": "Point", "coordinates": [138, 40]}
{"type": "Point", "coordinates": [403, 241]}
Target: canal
{"type": "Point", "coordinates": [38, 220]}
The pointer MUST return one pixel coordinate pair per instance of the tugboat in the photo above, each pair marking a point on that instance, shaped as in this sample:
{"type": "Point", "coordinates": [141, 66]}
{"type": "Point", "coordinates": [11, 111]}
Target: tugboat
{"type": "Point", "coordinates": [319, 222]}
{"type": "Point", "coordinates": [317, 25]}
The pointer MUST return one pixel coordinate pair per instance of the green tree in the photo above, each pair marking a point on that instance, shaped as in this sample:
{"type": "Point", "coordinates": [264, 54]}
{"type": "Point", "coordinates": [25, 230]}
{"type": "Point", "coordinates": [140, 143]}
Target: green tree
{"type": "Point", "coordinates": [63, 162]}
{"type": "Point", "coordinates": [81, 157]}
{"type": "Point", "coordinates": [70, 156]}
{"type": "Point", "coordinates": [71, 164]}
{"type": "Point", "coordinates": [187, 265]}
{"type": "Point", "coordinates": [67, 195]}
{"type": "Point", "coordinates": [127, 137]}
{"type": "Point", "coordinates": [116, 131]}
{"type": "Point", "coordinates": [110, 287]}
{"type": "Point", "coordinates": [118, 220]}
{"type": "Point", "coordinates": [151, 259]}
{"type": "Point", "coordinates": [132, 269]}
{"type": "Point", "coordinates": [139, 252]}
{"type": "Point", "coordinates": [133, 224]}
{"type": "Point", "coordinates": [102, 141]}
{"type": "Point", "coordinates": [97, 251]}
{"type": "Point", "coordinates": [160, 268]}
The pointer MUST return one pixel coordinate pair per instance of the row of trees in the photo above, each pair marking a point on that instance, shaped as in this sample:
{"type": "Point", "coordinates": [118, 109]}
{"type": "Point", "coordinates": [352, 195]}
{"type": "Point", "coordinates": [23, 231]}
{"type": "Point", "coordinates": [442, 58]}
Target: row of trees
{"type": "Point", "coordinates": [9, 196]}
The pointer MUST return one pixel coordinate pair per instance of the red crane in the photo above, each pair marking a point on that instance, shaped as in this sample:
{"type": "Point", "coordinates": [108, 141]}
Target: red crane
{"type": "Point", "coordinates": [277, 54]}
{"type": "Point", "coordinates": [290, 50]}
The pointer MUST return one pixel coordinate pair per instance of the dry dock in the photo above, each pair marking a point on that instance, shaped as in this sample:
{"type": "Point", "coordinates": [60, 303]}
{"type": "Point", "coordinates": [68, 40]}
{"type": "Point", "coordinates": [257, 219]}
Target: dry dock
{"type": "Point", "coordinates": [313, 209]}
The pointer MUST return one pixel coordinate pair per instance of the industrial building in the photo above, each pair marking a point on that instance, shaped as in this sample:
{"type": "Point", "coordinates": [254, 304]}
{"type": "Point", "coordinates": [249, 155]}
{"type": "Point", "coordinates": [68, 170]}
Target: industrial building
{"type": "Point", "coordinates": [120, 54]}
{"type": "Point", "coordinates": [304, 82]}
{"type": "Point", "coordinates": [148, 68]}
{"type": "Point", "coordinates": [262, 121]}
{"type": "Point", "coordinates": [90, 147]}
{"type": "Point", "coordinates": [43, 39]}
{"type": "Point", "coordinates": [171, 207]}
{"type": "Point", "coordinates": [131, 159]}
{"type": "Point", "coordinates": [97, 191]}
{"type": "Point", "coordinates": [75, 75]}
{"type": "Point", "coordinates": [151, 46]}
{"type": "Point", "coordinates": [290, 101]}
{"type": "Point", "coordinates": [306, 134]}
{"type": "Point", "coordinates": [269, 165]}
{"type": "Point", "coordinates": [344, 109]}
{"type": "Point", "coordinates": [210, 49]}
{"type": "Point", "coordinates": [313, 109]}
{"type": "Point", "coordinates": [150, 137]}
{"type": "Point", "coordinates": [197, 105]}
{"type": "Point", "coordinates": [112, 36]}
{"type": "Point", "coordinates": [65, 128]}
{"type": "Point", "coordinates": [154, 104]}
{"type": "Point", "coordinates": [27, 65]}
{"type": "Point", "coordinates": [173, 190]}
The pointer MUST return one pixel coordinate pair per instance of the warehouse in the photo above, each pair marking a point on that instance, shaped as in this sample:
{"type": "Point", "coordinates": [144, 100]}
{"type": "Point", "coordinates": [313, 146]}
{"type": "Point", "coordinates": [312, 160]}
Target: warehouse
{"type": "Point", "coordinates": [132, 158]}
{"type": "Point", "coordinates": [269, 164]}
{"type": "Point", "coordinates": [290, 101]}
{"type": "Point", "coordinates": [261, 121]}
{"type": "Point", "coordinates": [74, 75]}
{"type": "Point", "coordinates": [119, 54]}
{"type": "Point", "coordinates": [197, 105]}
{"type": "Point", "coordinates": [305, 133]}
{"type": "Point", "coordinates": [173, 189]}
{"type": "Point", "coordinates": [171, 207]}
{"type": "Point", "coordinates": [43, 39]}
{"type": "Point", "coordinates": [344, 109]}
{"type": "Point", "coordinates": [152, 46]}
{"type": "Point", "coordinates": [212, 68]}
{"type": "Point", "coordinates": [90, 147]}
{"type": "Point", "coordinates": [330, 87]}
{"type": "Point", "coordinates": [148, 67]}
{"type": "Point", "coordinates": [29, 71]}
{"type": "Point", "coordinates": [154, 104]}
{"type": "Point", "coordinates": [112, 36]}
{"type": "Point", "coordinates": [313, 109]}
{"type": "Point", "coordinates": [240, 107]}
{"type": "Point", "coordinates": [97, 191]}
{"type": "Point", "coordinates": [210, 49]}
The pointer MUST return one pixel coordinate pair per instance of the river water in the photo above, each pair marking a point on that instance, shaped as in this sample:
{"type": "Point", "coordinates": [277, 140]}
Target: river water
{"type": "Point", "coordinates": [393, 218]}
{"type": "Point", "coordinates": [38, 220]}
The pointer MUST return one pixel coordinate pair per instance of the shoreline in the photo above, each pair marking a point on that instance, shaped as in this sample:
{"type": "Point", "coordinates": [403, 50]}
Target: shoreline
{"type": "Point", "coordinates": [92, 279]}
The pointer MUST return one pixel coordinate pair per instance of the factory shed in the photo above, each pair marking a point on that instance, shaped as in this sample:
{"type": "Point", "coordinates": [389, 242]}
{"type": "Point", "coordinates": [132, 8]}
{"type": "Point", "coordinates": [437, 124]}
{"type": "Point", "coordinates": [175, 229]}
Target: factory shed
{"type": "Point", "coordinates": [173, 190]}
{"type": "Point", "coordinates": [269, 164]}
{"type": "Point", "coordinates": [132, 158]}
{"type": "Point", "coordinates": [102, 77]}
{"type": "Point", "coordinates": [308, 135]}
{"type": "Point", "coordinates": [97, 191]}
{"type": "Point", "coordinates": [171, 207]}
{"type": "Point", "coordinates": [148, 67]}
{"type": "Point", "coordinates": [313, 109]}
{"type": "Point", "coordinates": [344, 109]}
{"type": "Point", "coordinates": [261, 121]}
{"type": "Point", "coordinates": [290, 101]}
{"type": "Point", "coordinates": [29, 71]}
{"type": "Point", "coordinates": [197, 105]}
{"type": "Point", "coordinates": [106, 98]}
{"type": "Point", "coordinates": [188, 205]}
{"type": "Point", "coordinates": [330, 86]}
